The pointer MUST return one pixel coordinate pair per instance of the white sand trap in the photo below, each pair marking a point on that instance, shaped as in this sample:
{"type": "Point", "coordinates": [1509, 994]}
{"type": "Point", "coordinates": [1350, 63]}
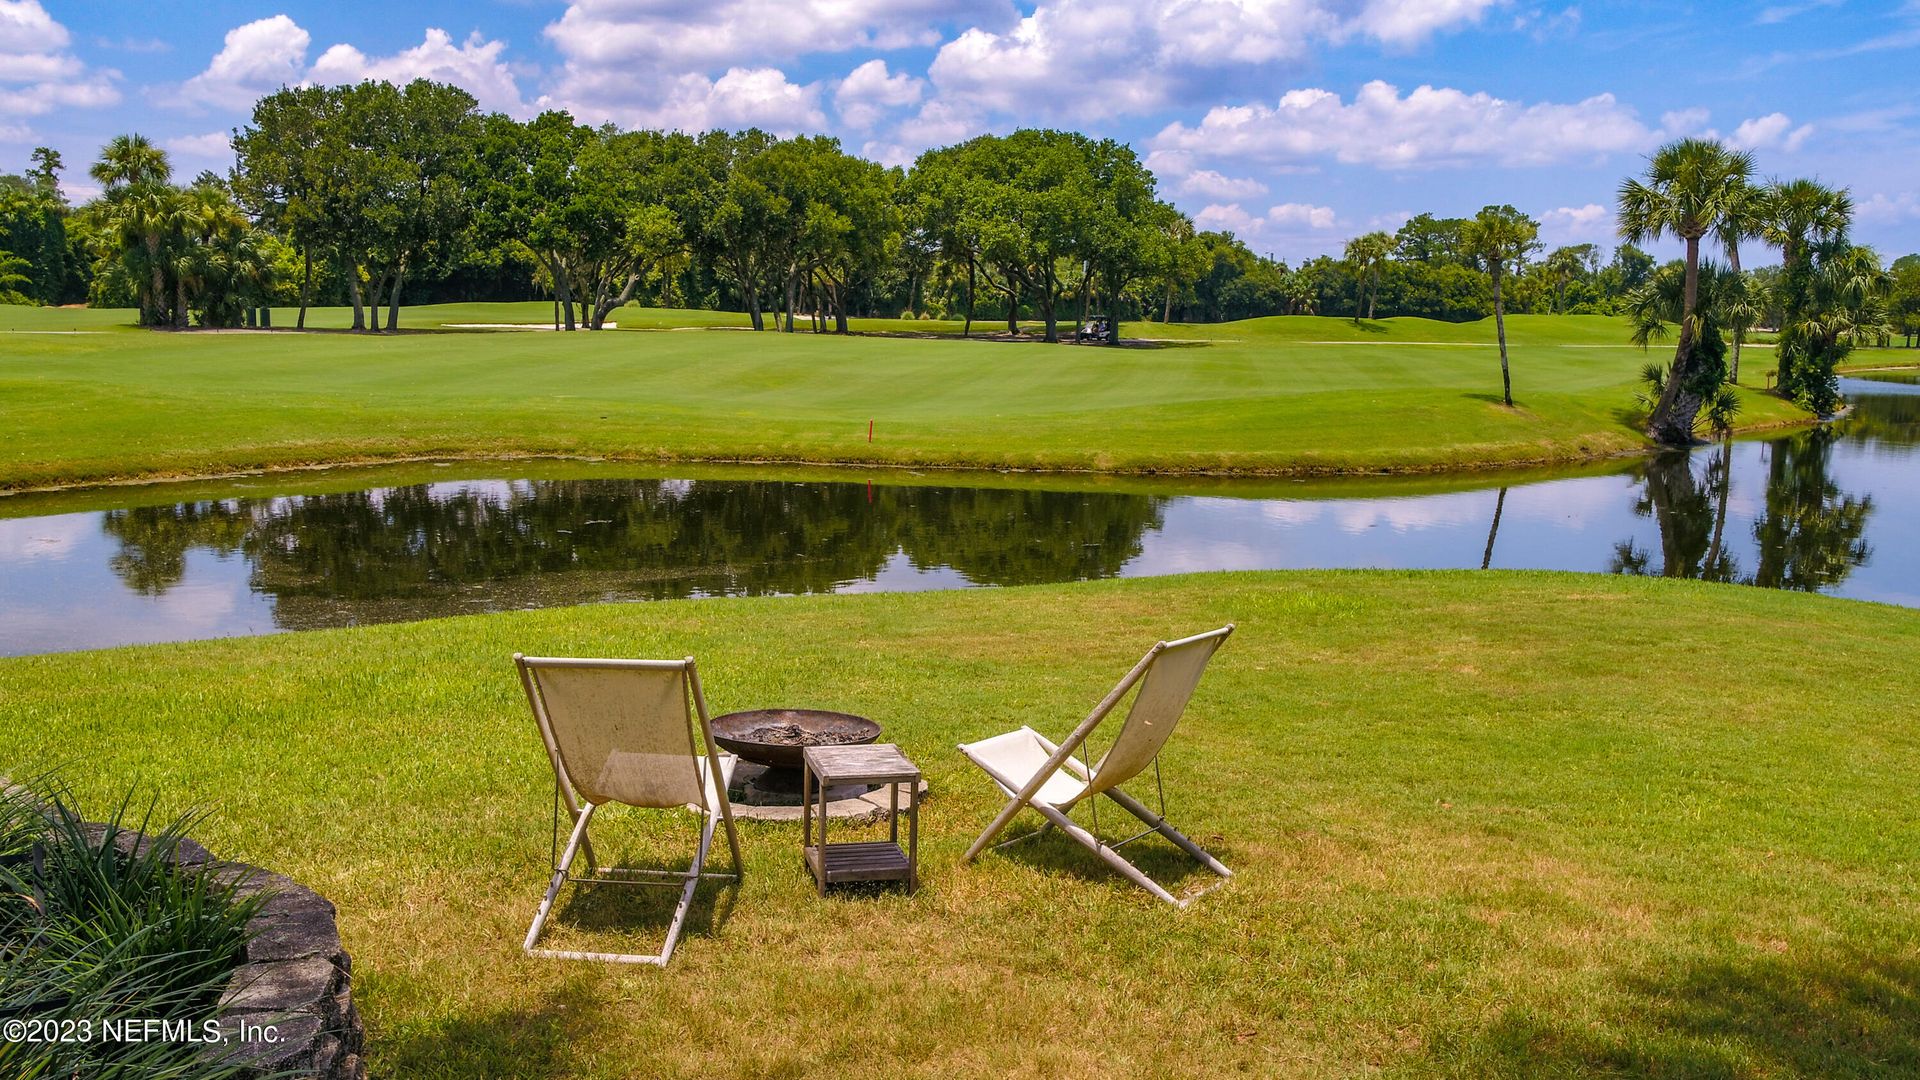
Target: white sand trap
{"type": "Point", "coordinates": [513, 326]}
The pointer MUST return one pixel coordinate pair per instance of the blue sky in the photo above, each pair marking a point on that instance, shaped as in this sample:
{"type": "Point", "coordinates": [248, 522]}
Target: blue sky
{"type": "Point", "coordinates": [1295, 123]}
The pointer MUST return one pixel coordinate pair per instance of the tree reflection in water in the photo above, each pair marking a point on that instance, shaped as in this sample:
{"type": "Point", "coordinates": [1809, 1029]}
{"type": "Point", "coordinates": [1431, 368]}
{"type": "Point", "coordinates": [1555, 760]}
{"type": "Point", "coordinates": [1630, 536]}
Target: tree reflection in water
{"type": "Point", "coordinates": [1808, 536]}
{"type": "Point", "coordinates": [1812, 534]}
{"type": "Point", "coordinates": [424, 550]}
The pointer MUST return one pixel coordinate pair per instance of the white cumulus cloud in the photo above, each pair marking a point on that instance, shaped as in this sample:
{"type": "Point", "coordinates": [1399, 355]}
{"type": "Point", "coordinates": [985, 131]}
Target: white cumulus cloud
{"type": "Point", "coordinates": [264, 55]}
{"type": "Point", "coordinates": [474, 65]}
{"type": "Point", "coordinates": [1769, 132]}
{"type": "Point", "coordinates": [37, 73]}
{"type": "Point", "coordinates": [1092, 59]}
{"type": "Point", "coordinates": [256, 58]}
{"type": "Point", "coordinates": [1428, 126]}
{"type": "Point", "coordinates": [213, 146]}
{"type": "Point", "coordinates": [743, 97]}
{"type": "Point", "coordinates": [625, 58]}
{"type": "Point", "coordinates": [1209, 184]}
{"type": "Point", "coordinates": [1589, 224]}
{"type": "Point", "coordinates": [1290, 228]}
{"type": "Point", "coordinates": [1884, 209]}
{"type": "Point", "coordinates": [870, 91]}
{"type": "Point", "coordinates": [1178, 175]}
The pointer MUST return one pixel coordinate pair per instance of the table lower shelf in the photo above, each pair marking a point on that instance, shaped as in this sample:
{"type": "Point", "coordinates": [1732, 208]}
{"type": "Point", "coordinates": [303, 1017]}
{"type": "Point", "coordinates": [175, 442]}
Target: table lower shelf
{"type": "Point", "coordinates": [876, 861]}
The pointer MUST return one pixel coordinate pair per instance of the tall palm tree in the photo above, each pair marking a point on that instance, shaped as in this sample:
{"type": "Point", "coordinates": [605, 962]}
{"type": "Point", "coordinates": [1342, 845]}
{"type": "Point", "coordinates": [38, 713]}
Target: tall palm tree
{"type": "Point", "coordinates": [1745, 219]}
{"type": "Point", "coordinates": [1801, 217]}
{"type": "Point", "coordinates": [143, 209]}
{"type": "Point", "coordinates": [1841, 304]}
{"type": "Point", "coordinates": [1690, 188]}
{"type": "Point", "coordinates": [1797, 214]}
{"type": "Point", "coordinates": [1302, 297]}
{"type": "Point", "coordinates": [1497, 238]}
{"type": "Point", "coordinates": [150, 219]}
{"type": "Point", "coordinates": [1721, 300]}
{"type": "Point", "coordinates": [223, 266]}
{"type": "Point", "coordinates": [1368, 256]}
{"type": "Point", "coordinates": [131, 160]}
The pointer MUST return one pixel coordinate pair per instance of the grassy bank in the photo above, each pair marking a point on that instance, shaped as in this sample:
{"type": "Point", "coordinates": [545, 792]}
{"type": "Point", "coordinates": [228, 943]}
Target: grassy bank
{"type": "Point", "coordinates": [1480, 830]}
{"type": "Point", "coordinates": [85, 400]}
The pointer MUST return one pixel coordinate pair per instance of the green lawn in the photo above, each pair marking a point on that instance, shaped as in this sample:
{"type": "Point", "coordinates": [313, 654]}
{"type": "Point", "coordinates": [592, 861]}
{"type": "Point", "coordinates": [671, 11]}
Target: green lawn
{"type": "Point", "coordinates": [1281, 395]}
{"type": "Point", "coordinates": [1480, 829]}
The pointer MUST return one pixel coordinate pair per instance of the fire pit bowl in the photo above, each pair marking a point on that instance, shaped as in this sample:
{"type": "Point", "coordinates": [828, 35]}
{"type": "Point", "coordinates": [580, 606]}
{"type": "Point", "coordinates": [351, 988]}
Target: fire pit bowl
{"type": "Point", "coordinates": [776, 737]}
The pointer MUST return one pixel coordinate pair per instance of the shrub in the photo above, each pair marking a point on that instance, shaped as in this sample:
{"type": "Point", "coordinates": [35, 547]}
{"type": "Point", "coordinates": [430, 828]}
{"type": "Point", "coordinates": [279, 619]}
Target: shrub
{"type": "Point", "coordinates": [98, 922]}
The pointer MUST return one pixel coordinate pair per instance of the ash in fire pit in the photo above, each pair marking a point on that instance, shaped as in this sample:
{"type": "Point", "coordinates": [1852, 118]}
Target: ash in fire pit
{"type": "Point", "coordinates": [775, 738]}
{"type": "Point", "coordinates": [795, 735]}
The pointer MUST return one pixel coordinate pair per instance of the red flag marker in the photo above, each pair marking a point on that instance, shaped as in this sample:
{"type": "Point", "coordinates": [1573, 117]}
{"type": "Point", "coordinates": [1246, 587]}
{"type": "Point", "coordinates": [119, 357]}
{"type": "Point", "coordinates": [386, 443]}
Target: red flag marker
{"type": "Point", "coordinates": [869, 431]}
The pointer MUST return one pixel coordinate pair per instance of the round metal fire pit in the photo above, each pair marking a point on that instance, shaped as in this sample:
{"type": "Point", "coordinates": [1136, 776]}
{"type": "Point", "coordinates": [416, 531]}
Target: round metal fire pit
{"type": "Point", "coordinates": [776, 737]}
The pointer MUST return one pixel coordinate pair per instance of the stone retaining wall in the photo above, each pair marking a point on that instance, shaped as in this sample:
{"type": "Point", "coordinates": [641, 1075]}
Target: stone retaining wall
{"type": "Point", "coordinates": [288, 1007]}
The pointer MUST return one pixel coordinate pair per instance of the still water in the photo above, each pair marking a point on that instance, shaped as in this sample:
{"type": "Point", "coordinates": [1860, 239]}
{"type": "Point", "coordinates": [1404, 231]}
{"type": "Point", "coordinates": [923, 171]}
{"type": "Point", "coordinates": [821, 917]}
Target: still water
{"type": "Point", "coordinates": [1831, 510]}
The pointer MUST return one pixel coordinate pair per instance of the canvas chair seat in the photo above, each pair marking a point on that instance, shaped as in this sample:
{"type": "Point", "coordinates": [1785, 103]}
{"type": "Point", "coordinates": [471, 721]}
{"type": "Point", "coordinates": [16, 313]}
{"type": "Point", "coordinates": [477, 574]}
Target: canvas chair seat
{"type": "Point", "coordinates": [1017, 757]}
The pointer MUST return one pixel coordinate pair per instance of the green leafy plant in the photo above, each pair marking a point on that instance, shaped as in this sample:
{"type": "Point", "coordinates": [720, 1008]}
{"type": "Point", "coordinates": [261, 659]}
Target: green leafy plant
{"type": "Point", "coordinates": [100, 922]}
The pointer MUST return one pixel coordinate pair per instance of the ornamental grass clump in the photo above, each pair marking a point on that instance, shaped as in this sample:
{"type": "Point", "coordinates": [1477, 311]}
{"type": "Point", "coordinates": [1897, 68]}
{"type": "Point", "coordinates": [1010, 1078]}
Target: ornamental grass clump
{"type": "Point", "coordinates": [103, 925]}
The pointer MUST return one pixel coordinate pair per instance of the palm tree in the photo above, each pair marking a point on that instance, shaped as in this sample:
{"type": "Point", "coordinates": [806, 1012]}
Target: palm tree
{"type": "Point", "coordinates": [149, 219]}
{"type": "Point", "coordinates": [129, 161]}
{"type": "Point", "coordinates": [1654, 307]}
{"type": "Point", "coordinates": [1796, 214]}
{"type": "Point", "coordinates": [1800, 217]}
{"type": "Point", "coordinates": [1690, 189]}
{"type": "Point", "coordinates": [1368, 256]}
{"type": "Point", "coordinates": [1563, 266]}
{"type": "Point", "coordinates": [142, 207]}
{"type": "Point", "coordinates": [1841, 304]}
{"type": "Point", "coordinates": [1746, 219]}
{"type": "Point", "coordinates": [1302, 297]}
{"type": "Point", "coordinates": [224, 266]}
{"type": "Point", "coordinates": [1497, 238]}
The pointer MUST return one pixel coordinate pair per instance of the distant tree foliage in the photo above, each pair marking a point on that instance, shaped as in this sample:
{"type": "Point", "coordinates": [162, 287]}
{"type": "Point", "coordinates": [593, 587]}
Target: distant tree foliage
{"type": "Point", "coordinates": [1904, 298]}
{"type": "Point", "coordinates": [371, 194]}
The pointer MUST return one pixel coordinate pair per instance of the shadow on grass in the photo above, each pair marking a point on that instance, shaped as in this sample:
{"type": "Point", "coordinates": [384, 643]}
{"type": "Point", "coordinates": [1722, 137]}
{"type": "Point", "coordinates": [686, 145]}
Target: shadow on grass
{"type": "Point", "coordinates": [541, 1040]}
{"type": "Point", "coordinates": [602, 917]}
{"type": "Point", "coordinates": [1055, 852]}
{"type": "Point", "coordinates": [1493, 399]}
{"type": "Point", "coordinates": [1631, 416]}
{"type": "Point", "coordinates": [1838, 1015]}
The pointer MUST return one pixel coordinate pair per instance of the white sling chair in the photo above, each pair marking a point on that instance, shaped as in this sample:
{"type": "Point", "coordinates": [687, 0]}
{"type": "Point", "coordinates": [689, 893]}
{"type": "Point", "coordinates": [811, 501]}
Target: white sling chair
{"type": "Point", "coordinates": [1034, 772]}
{"type": "Point", "coordinates": [633, 732]}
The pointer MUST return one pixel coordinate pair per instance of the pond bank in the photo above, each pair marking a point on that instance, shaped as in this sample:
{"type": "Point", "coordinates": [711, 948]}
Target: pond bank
{"type": "Point", "coordinates": [1826, 509]}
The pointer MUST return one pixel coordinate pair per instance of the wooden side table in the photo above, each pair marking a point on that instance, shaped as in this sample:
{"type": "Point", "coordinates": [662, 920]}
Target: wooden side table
{"type": "Point", "coordinates": [822, 767]}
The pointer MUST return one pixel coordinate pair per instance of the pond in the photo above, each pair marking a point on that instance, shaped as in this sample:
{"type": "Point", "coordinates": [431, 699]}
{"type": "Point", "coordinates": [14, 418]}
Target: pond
{"type": "Point", "coordinates": [1828, 510]}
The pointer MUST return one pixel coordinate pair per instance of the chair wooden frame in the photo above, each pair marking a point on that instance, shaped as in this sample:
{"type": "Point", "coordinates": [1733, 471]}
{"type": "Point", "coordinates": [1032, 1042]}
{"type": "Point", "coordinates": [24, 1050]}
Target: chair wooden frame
{"type": "Point", "coordinates": [712, 768]}
{"type": "Point", "coordinates": [1024, 792]}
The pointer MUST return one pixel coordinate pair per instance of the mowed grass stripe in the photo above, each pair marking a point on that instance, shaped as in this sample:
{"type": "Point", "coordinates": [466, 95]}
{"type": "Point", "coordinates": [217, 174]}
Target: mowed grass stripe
{"type": "Point", "coordinates": [1257, 398]}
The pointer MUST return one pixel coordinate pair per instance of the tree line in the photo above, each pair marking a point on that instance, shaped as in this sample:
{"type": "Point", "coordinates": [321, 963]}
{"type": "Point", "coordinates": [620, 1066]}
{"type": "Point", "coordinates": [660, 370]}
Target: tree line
{"type": "Point", "coordinates": [375, 194]}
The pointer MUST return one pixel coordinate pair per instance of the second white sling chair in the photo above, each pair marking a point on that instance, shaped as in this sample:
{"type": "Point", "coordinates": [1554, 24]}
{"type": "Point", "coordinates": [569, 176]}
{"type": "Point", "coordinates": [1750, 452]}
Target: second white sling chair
{"type": "Point", "coordinates": [633, 732]}
{"type": "Point", "coordinates": [1034, 772]}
